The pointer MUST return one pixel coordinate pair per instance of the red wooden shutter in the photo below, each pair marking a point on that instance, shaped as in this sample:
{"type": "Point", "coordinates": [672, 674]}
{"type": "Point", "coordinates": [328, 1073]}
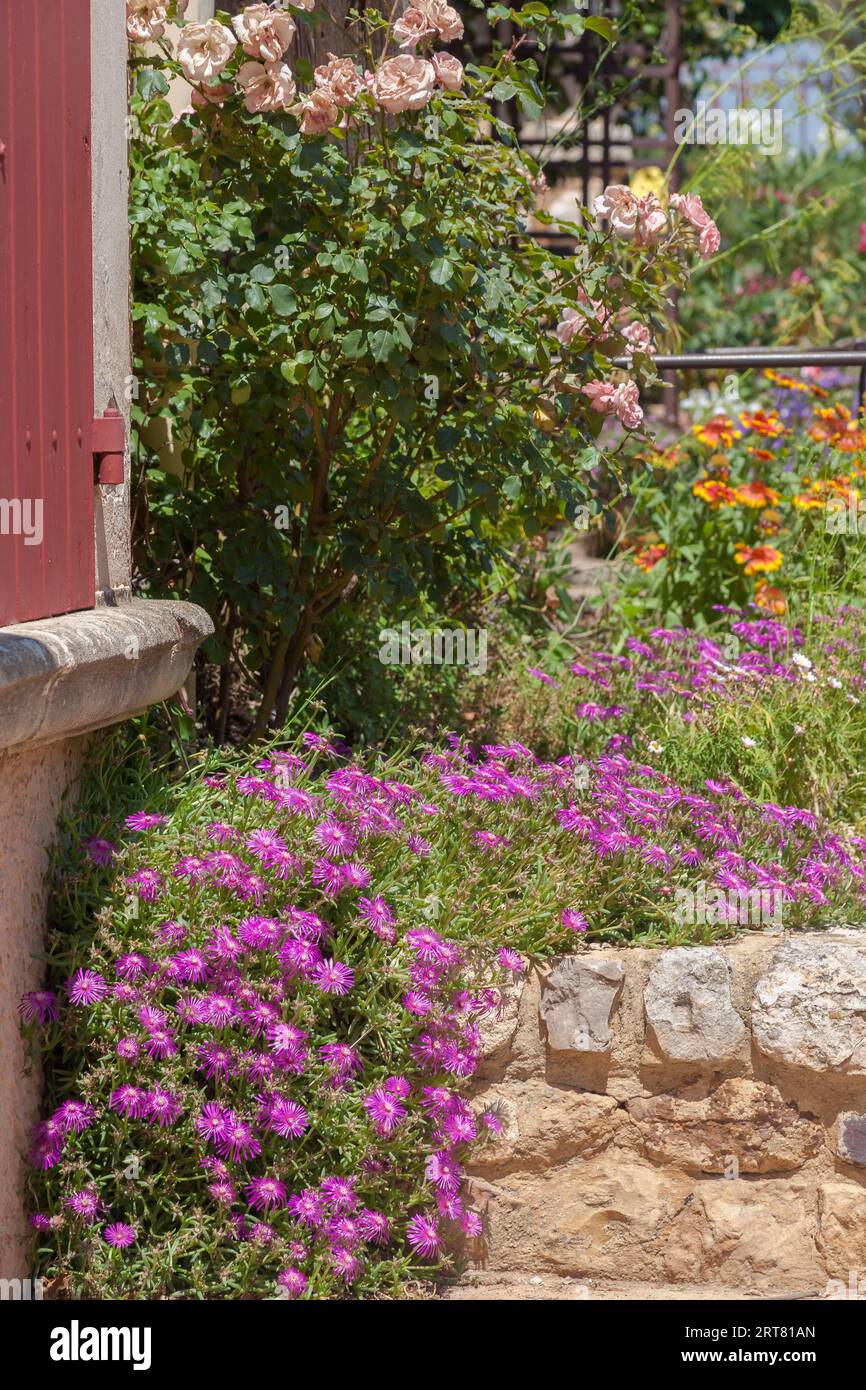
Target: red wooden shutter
{"type": "Point", "coordinates": [46, 310]}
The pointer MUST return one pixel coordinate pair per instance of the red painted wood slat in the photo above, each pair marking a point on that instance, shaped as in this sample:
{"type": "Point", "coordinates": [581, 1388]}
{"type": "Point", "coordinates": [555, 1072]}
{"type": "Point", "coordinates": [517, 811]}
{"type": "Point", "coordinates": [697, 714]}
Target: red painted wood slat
{"type": "Point", "coordinates": [46, 311]}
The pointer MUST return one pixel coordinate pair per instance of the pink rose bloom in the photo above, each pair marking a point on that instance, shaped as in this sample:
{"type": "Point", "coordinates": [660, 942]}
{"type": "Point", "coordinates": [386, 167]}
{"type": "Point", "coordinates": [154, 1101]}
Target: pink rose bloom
{"type": "Point", "coordinates": [692, 209]}
{"type": "Point", "coordinates": [405, 83]}
{"type": "Point", "coordinates": [651, 220]}
{"type": "Point", "coordinates": [638, 338]}
{"type": "Point", "coordinates": [862, 247]}
{"type": "Point", "coordinates": [449, 70]}
{"type": "Point", "coordinates": [444, 18]}
{"type": "Point", "coordinates": [340, 78]}
{"type": "Point", "coordinates": [145, 19]}
{"type": "Point", "coordinates": [571, 323]}
{"type": "Point", "coordinates": [317, 112]}
{"type": "Point", "coordinates": [214, 94]}
{"type": "Point", "coordinates": [267, 87]}
{"type": "Point", "coordinates": [619, 204]}
{"type": "Point", "coordinates": [622, 401]}
{"type": "Point", "coordinates": [203, 50]}
{"type": "Point", "coordinates": [709, 240]}
{"type": "Point", "coordinates": [412, 26]}
{"type": "Point", "coordinates": [264, 33]}
{"type": "Point", "coordinates": [600, 395]}
{"type": "Point", "coordinates": [626, 404]}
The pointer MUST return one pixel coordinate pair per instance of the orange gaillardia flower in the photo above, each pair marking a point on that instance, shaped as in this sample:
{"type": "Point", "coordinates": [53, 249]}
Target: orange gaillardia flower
{"type": "Point", "coordinates": [718, 494]}
{"type": "Point", "coordinates": [764, 423]}
{"type": "Point", "coordinates": [787, 381]}
{"type": "Point", "coordinates": [719, 430]}
{"type": "Point", "coordinates": [762, 455]}
{"type": "Point", "coordinates": [758, 559]}
{"type": "Point", "coordinates": [649, 557]}
{"type": "Point", "coordinates": [757, 494]}
{"type": "Point", "coordinates": [770, 599]}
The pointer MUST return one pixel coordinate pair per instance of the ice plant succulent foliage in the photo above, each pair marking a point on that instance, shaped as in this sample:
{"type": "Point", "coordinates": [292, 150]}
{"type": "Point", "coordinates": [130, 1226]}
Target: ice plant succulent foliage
{"type": "Point", "coordinates": [270, 1069]}
{"type": "Point", "coordinates": [357, 348]}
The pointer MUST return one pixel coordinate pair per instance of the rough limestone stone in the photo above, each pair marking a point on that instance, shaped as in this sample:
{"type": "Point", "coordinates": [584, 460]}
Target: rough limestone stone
{"type": "Point", "coordinates": [593, 1217]}
{"type": "Point", "coordinates": [577, 999]}
{"type": "Point", "coordinates": [740, 1120]}
{"type": "Point", "coordinates": [851, 1137]}
{"type": "Point", "coordinates": [841, 1239]}
{"type": "Point", "coordinates": [544, 1125]}
{"type": "Point", "coordinates": [749, 1235]}
{"type": "Point", "coordinates": [498, 1027]}
{"type": "Point", "coordinates": [688, 1006]}
{"type": "Point", "coordinates": [809, 1010]}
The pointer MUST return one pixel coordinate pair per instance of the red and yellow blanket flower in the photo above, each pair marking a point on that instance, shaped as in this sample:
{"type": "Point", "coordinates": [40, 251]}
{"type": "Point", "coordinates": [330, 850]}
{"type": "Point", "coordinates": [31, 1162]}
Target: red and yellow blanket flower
{"type": "Point", "coordinates": [763, 422]}
{"type": "Point", "coordinates": [758, 559]}
{"type": "Point", "coordinates": [770, 599]}
{"type": "Point", "coordinates": [719, 430]}
{"type": "Point", "coordinates": [757, 494]}
{"type": "Point", "coordinates": [649, 557]}
{"type": "Point", "coordinates": [717, 493]}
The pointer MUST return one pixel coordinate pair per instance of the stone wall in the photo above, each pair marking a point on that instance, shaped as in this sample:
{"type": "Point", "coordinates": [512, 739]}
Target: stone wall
{"type": "Point", "coordinates": [690, 1115]}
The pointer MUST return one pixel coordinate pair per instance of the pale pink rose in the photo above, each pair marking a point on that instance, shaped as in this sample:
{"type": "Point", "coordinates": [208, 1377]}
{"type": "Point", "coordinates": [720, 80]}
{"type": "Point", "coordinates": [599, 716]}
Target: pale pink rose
{"type": "Point", "coordinates": [145, 19]}
{"type": "Point", "coordinates": [619, 204]}
{"type": "Point", "coordinates": [638, 338]}
{"type": "Point", "coordinates": [267, 87]}
{"type": "Point", "coordinates": [263, 32]}
{"type": "Point", "coordinates": [444, 18]}
{"type": "Point", "coordinates": [405, 83]}
{"type": "Point", "coordinates": [651, 220]}
{"type": "Point", "coordinates": [317, 112]}
{"type": "Point", "coordinates": [213, 94]}
{"type": "Point", "coordinates": [622, 401]}
{"type": "Point", "coordinates": [709, 240]}
{"type": "Point", "coordinates": [600, 395]}
{"type": "Point", "coordinates": [691, 207]}
{"type": "Point", "coordinates": [203, 50]}
{"type": "Point", "coordinates": [626, 404]}
{"type": "Point", "coordinates": [412, 26]}
{"type": "Point", "coordinates": [340, 78]}
{"type": "Point", "coordinates": [449, 70]}
{"type": "Point", "coordinates": [571, 323]}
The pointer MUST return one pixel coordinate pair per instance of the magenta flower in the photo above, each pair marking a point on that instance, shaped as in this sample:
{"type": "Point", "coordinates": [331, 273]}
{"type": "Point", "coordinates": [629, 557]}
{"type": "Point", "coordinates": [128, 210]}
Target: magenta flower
{"type": "Point", "coordinates": [511, 960]}
{"type": "Point", "coordinates": [307, 1208]}
{"type": "Point", "coordinates": [84, 1204]}
{"type": "Point", "coordinates": [424, 1236]}
{"type": "Point", "coordinates": [333, 977]}
{"type": "Point", "coordinates": [160, 1107]}
{"type": "Point", "coordinates": [573, 920]}
{"type": "Point", "coordinates": [146, 883]}
{"type": "Point", "coordinates": [39, 1004]}
{"type": "Point", "coordinates": [100, 851]}
{"type": "Point", "coordinates": [128, 1101]}
{"type": "Point", "coordinates": [293, 1281]}
{"type": "Point", "coordinates": [339, 1193]}
{"type": "Point", "coordinates": [385, 1110]}
{"type": "Point", "coordinates": [264, 1193]}
{"type": "Point", "coordinates": [144, 820]}
{"type": "Point", "coordinates": [87, 987]}
{"type": "Point", "coordinates": [287, 1118]}
{"type": "Point", "coordinates": [120, 1235]}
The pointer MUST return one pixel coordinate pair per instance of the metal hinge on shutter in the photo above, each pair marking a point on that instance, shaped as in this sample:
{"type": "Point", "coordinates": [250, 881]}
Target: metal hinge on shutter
{"type": "Point", "coordinates": [109, 448]}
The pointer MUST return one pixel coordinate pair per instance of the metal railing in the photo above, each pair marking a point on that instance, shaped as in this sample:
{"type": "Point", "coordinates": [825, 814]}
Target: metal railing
{"type": "Point", "coordinates": [744, 358]}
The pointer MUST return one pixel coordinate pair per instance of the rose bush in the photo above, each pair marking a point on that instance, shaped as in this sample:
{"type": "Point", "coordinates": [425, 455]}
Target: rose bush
{"type": "Point", "coordinates": [349, 378]}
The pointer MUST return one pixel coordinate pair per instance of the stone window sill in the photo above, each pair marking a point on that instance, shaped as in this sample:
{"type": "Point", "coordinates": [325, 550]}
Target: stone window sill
{"type": "Point", "coordinates": [61, 677]}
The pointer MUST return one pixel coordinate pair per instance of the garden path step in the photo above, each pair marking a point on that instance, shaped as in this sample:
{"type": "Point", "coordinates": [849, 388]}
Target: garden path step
{"type": "Point", "coordinates": [484, 1287]}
